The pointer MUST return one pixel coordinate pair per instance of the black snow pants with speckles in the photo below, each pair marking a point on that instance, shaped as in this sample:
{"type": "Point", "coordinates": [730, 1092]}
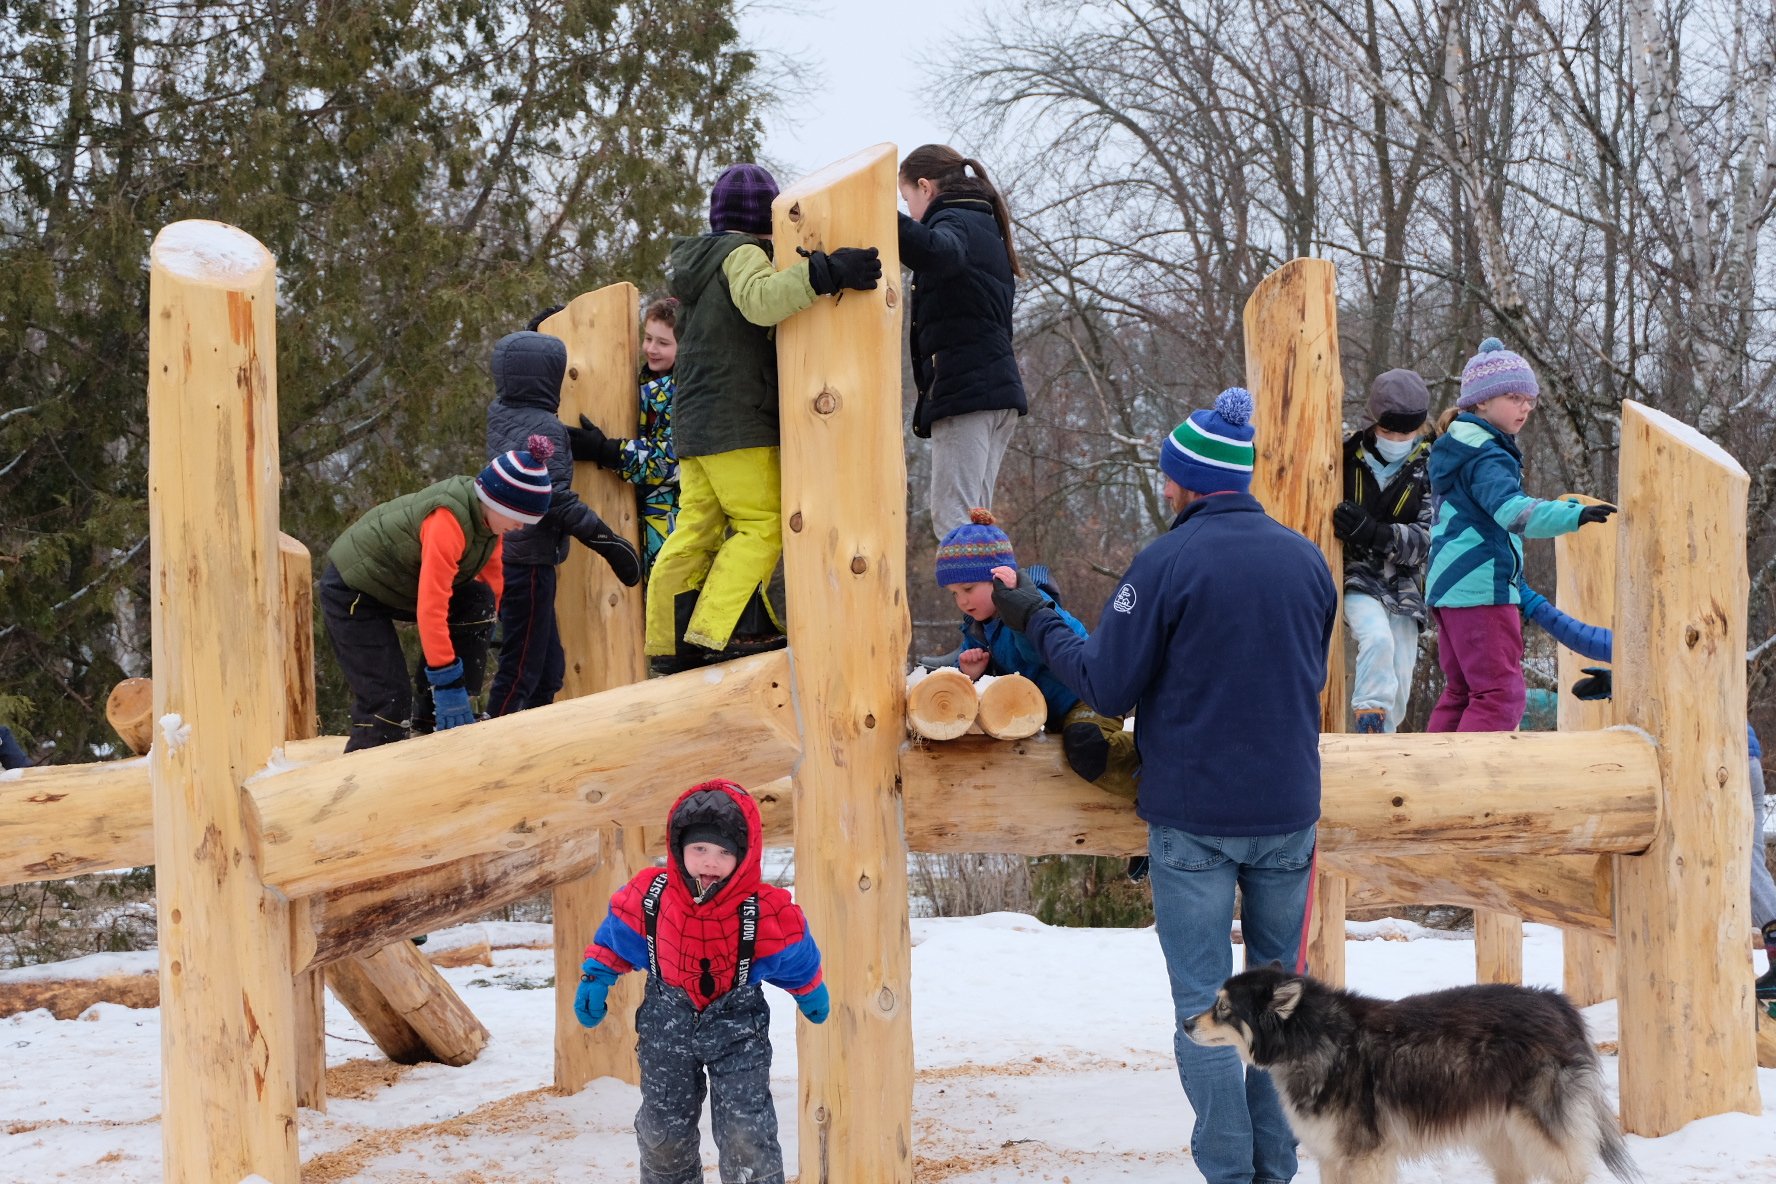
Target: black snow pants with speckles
{"type": "Point", "coordinates": [730, 1041]}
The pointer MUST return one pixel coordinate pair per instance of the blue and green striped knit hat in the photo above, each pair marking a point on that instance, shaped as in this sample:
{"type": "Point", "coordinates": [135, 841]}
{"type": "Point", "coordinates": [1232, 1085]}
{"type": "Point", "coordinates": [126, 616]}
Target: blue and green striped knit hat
{"type": "Point", "coordinates": [1211, 452]}
{"type": "Point", "coordinates": [969, 553]}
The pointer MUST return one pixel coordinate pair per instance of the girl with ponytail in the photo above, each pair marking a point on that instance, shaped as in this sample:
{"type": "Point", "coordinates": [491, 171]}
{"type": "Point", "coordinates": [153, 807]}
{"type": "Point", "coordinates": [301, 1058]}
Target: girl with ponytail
{"type": "Point", "coordinates": [956, 237]}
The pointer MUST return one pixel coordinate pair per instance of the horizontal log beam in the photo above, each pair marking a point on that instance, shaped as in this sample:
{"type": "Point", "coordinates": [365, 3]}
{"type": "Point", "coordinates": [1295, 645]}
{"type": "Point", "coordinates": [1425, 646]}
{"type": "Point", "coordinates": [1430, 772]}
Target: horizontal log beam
{"type": "Point", "coordinates": [1571, 891]}
{"type": "Point", "coordinates": [521, 780]}
{"type": "Point", "coordinates": [1496, 793]}
{"type": "Point", "coordinates": [362, 918]}
{"type": "Point", "coordinates": [58, 821]}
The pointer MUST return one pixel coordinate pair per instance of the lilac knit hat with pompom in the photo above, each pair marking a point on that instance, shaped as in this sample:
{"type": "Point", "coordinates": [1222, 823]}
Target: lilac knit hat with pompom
{"type": "Point", "coordinates": [1211, 452]}
{"type": "Point", "coordinates": [1494, 371]}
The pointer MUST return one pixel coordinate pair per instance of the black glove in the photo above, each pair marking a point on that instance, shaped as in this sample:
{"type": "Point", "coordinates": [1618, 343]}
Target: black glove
{"type": "Point", "coordinates": [588, 442]}
{"type": "Point", "coordinates": [1597, 513]}
{"type": "Point", "coordinates": [543, 316]}
{"type": "Point", "coordinates": [1600, 685]}
{"type": "Point", "coordinates": [613, 548]}
{"type": "Point", "coordinates": [1357, 526]}
{"type": "Point", "coordinates": [1017, 605]}
{"type": "Point", "coordinates": [848, 267]}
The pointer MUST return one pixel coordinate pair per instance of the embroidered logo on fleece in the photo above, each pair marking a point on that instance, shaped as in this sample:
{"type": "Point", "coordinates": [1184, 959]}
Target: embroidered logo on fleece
{"type": "Point", "coordinates": [1125, 599]}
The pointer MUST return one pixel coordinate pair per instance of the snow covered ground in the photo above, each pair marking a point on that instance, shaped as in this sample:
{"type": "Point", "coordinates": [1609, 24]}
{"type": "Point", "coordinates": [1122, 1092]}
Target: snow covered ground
{"type": "Point", "coordinates": [1043, 1054]}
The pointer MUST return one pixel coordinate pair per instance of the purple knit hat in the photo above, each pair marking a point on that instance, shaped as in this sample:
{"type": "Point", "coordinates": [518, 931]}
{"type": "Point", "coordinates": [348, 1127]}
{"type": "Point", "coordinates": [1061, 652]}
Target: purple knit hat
{"type": "Point", "coordinates": [741, 200]}
{"type": "Point", "coordinates": [1494, 371]}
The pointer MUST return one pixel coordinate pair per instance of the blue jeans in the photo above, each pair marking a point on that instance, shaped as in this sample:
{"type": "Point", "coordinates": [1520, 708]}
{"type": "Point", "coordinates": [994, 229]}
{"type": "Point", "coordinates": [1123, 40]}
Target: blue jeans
{"type": "Point", "coordinates": [1241, 1136]}
{"type": "Point", "coordinates": [1387, 651]}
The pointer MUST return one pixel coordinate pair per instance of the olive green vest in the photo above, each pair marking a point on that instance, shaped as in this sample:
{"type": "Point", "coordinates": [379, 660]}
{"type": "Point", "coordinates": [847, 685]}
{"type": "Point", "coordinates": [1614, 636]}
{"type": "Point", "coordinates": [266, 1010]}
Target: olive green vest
{"type": "Point", "coordinates": [726, 373]}
{"type": "Point", "coordinates": [379, 553]}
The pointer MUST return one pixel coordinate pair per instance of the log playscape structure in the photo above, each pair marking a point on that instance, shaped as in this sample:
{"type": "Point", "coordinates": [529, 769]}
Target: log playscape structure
{"type": "Point", "coordinates": [278, 857]}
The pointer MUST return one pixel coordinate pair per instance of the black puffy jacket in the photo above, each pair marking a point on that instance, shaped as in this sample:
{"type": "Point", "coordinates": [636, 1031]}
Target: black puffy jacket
{"type": "Point", "coordinates": [527, 373]}
{"type": "Point", "coordinates": [961, 312]}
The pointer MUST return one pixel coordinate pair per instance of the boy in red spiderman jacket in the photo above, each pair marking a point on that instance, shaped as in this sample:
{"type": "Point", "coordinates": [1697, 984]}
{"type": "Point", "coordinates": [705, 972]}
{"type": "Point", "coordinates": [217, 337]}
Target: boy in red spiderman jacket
{"type": "Point", "coordinates": [709, 933]}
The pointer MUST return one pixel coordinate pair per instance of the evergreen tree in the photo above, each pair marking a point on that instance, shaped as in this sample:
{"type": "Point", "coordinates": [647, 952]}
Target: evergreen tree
{"type": "Point", "coordinates": [426, 174]}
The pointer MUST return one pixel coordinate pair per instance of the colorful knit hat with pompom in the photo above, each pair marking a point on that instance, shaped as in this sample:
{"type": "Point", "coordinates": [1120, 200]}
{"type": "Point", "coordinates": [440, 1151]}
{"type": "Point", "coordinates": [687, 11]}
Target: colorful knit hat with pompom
{"type": "Point", "coordinates": [517, 483]}
{"type": "Point", "coordinates": [1494, 371]}
{"type": "Point", "coordinates": [1211, 452]}
{"type": "Point", "coordinates": [969, 553]}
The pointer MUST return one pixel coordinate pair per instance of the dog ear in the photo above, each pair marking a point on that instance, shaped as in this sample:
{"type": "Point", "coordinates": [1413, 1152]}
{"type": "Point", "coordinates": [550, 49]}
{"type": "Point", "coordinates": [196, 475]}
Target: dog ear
{"type": "Point", "coordinates": [1286, 998]}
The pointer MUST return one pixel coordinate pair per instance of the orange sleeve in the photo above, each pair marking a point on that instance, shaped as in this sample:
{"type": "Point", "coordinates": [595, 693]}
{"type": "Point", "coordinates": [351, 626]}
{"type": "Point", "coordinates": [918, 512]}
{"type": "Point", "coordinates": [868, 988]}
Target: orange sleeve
{"type": "Point", "coordinates": [441, 546]}
{"type": "Point", "coordinates": [493, 572]}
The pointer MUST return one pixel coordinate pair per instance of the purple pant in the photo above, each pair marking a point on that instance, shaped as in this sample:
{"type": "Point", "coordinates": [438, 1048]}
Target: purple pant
{"type": "Point", "coordinates": [1481, 652]}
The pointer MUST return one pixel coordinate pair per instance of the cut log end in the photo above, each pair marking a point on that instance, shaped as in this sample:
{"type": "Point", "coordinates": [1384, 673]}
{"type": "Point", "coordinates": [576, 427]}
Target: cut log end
{"type": "Point", "coordinates": [942, 705]}
{"type": "Point", "coordinates": [1012, 708]}
{"type": "Point", "coordinates": [130, 710]}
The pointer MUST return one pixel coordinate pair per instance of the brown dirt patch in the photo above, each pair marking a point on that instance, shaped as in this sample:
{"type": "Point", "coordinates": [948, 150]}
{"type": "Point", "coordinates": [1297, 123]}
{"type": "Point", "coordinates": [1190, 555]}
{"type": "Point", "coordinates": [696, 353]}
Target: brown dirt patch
{"type": "Point", "coordinates": [503, 1116]}
{"type": "Point", "coordinates": [359, 1078]}
{"type": "Point", "coordinates": [1031, 1068]}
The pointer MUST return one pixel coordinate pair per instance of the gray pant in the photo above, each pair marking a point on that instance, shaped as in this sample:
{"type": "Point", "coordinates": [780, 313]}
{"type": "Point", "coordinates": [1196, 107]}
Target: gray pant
{"type": "Point", "coordinates": [966, 451]}
{"type": "Point", "coordinates": [1763, 890]}
{"type": "Point", "coordinates": [730, 1041]}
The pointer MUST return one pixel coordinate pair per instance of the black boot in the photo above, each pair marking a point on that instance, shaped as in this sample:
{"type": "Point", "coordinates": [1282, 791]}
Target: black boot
{"type": "Point", "coordinates": [1766, 983]}
{"type": "Point", "coordinates": [687, 656]}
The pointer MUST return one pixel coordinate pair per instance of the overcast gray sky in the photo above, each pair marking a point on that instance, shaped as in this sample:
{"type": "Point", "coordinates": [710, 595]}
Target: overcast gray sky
{"type": "Point", "coordinates": [868, 66]}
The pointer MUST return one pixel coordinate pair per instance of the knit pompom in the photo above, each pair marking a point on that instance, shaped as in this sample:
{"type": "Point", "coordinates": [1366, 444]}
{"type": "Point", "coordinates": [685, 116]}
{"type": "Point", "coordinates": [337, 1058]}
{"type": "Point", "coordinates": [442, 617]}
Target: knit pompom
{"type": "Point", "coordinates": [1234, 405]}
{"type": "Point", "coordinates": [981, 517]}
{"type": "Point", "coordinates": [540, 447]}
{"type": "Point", "coordinates": [1490, 345]}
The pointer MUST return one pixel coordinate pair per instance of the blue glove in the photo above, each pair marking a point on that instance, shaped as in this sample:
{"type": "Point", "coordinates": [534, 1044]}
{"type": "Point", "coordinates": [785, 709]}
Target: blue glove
{"type": "Point", "coordinates": [1532, 600]}
{"type": "Point", "coordinates": [595, 983]}
{"type": "Point", "coordinates": [450, 697]}
{"type": "Point", "coordinates": [815, 1005]}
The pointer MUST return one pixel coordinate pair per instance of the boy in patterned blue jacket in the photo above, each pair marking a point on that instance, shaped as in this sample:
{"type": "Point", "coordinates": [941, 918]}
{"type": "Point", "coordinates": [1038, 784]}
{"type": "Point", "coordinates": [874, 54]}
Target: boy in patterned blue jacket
{"type": "Point", "coordinates": [1097, 747]}
{"type": "Point", "coordinates": [1482, 516]}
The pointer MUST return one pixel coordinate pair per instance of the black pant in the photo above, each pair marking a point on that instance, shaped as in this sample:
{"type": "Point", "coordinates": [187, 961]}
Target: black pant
{"type": "Point", "coordinates": [361, 629]}
{"type": "Point", "coordinates": [531, 663]}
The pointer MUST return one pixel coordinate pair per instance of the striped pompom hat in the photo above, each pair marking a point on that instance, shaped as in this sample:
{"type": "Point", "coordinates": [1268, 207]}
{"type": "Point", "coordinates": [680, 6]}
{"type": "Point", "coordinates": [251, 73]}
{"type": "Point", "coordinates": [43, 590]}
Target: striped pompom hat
{"type": "Point", "coordinates": [1494, 371]}
{"type": "Point", "coordinates": [1211, 452]}
{"type": "Point", "coordinates": [516, 483]}
{"type": "Point", "coordinates": [969, 553]}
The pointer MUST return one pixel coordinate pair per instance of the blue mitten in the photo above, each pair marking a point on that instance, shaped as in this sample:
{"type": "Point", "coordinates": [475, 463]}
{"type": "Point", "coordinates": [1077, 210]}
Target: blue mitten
{"type": "Point", "coordinates": [450, 697]}
{"type": "Point", "coordinates": [815, 1004]}
{"type": "Point", "coordinates": [595, 983]}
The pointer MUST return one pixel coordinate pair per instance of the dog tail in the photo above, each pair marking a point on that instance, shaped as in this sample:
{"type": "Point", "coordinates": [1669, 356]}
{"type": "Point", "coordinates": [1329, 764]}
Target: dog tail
{"type": "Point", "coordinates": [1610, 1146]}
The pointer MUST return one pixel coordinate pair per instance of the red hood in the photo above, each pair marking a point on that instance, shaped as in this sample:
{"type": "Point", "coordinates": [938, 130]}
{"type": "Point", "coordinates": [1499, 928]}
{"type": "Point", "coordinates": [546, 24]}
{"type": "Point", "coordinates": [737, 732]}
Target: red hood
{"type": "Point", "coordinates": [745, 878]}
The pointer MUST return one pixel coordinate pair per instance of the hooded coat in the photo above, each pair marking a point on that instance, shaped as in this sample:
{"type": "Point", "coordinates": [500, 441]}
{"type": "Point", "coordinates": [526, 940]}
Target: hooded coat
{"type": "Point", "coordinates": [527, 373]}
{"type": "Point", "coordinates": [697, 941]}
{"type": "Point", "coordinates": [960, 307]}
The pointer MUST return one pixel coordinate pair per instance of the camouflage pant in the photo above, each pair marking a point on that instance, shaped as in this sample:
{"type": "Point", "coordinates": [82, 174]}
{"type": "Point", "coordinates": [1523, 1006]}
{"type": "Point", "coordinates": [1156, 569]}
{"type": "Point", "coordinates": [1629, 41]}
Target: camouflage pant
{"type": "Point", "coordinates": [731, 1042]}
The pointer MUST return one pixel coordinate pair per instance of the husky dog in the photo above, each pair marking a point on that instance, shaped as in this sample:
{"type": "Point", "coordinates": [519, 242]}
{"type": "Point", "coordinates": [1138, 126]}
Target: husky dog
{"type": "Point", "coordinates": [1368, 1082]}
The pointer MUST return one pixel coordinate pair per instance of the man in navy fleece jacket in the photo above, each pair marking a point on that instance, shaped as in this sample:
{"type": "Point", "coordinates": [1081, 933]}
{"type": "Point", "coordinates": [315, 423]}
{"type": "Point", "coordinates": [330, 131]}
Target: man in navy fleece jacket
{"type": "Point", "coordinates": [1217, 640]}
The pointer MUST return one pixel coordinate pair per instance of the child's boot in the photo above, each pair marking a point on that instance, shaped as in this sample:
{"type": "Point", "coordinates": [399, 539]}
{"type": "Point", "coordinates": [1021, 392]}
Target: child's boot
{"type": "Point", "coordinates": [1766, 983]}
{"type": "Point", "coordinates": [688, 656]}
{"type": "Point", "coordinates": [1371, 721]}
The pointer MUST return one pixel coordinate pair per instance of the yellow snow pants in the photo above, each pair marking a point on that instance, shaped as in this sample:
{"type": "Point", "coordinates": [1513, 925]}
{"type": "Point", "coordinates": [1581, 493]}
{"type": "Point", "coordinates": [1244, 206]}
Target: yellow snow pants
{"type": "Point", "coordinates": [739, 491]}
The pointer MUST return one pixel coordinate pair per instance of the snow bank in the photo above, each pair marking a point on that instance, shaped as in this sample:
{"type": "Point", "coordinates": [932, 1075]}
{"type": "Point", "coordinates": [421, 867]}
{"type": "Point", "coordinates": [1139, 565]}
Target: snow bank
{"type": "Point", "coordinates": [92, 966]}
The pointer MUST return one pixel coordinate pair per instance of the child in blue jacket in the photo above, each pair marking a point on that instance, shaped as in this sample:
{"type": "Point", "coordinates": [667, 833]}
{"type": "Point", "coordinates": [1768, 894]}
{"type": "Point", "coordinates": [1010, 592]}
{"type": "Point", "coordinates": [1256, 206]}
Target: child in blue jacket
{"type": "Point", "coordinates": [1482, 516]}
{"type": "Point", "coordinates": [1096, 746]}
{"type": "Point", "coordinates": [1598, 644]}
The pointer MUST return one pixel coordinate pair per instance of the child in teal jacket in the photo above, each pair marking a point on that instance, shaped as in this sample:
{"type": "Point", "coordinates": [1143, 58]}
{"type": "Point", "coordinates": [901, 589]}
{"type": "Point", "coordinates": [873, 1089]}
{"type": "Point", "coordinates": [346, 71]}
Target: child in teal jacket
{"type": "Point", "coordinates": [1482, 516]}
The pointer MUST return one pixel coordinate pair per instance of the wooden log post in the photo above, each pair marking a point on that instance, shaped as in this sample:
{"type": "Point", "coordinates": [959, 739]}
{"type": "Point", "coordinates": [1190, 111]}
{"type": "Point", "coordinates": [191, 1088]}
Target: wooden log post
{"type": "Point", "coordinates": [602, 625]}
{"type": "Point", "coordinates": [1498, 946]}
{"type": "Point", "coordinates": [130, 711]}
{"type": "Point", "coordinates": [399, 991]}
{"type": "Point", "coordinates": [1292, 370]}
{"type": "Point", "coordinates": [228, 1083]}
{"type": "Point", "coordinates": [942, 705]}
{"type": "Point", "coordinates": [302, 721]}
{"type": "Point", "coordinates": [1585, 588]}
{"type": "Point", "coordinates": [1682, 911]}
{"type": "Point", "coordinates": [1012, 708]}
{"type": "Point", "coordinates": [844, 493]}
